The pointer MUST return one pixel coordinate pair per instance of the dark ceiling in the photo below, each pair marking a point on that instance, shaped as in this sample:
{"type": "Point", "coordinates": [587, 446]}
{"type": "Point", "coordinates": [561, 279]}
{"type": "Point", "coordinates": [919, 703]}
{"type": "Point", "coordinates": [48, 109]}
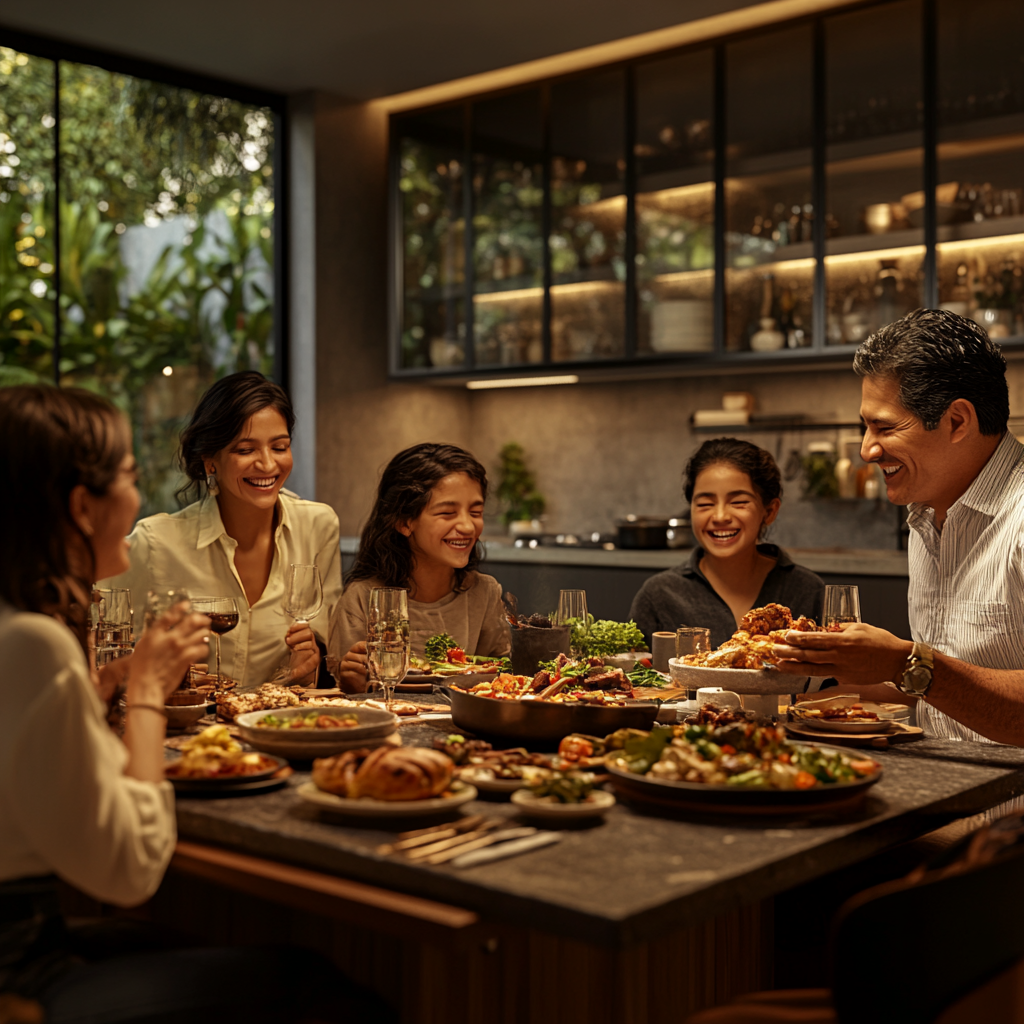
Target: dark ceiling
{"type": "Point", "coordinates": [359, 50]}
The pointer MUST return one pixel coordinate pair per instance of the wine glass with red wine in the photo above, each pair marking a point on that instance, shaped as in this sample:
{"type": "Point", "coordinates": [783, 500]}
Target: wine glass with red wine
{"type": "Point", "coordinates": [223, 615]}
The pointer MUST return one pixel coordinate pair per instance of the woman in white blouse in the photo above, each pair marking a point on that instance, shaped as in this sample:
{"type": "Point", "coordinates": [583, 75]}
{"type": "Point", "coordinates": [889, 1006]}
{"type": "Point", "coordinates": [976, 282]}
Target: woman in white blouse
{"type": "Point", "coordinates": [240, 537]}
{"type": "Point", "coordinates": [77, 803]}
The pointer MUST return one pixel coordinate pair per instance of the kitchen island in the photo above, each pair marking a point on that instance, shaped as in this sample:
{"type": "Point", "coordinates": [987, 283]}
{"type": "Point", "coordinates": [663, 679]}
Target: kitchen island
{"type": "Point", "coordinates": [612, 578]}
{"type": "Point", "coordinates": [645, 917]}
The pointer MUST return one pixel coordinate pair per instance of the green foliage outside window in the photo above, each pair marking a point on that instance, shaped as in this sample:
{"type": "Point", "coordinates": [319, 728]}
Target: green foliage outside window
{"type": "Point", "coordinates": [135, 154]}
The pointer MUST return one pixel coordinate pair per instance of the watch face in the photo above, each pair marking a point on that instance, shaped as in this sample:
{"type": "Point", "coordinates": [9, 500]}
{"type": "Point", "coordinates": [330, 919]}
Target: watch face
{"type": "Point", "coordinates": [917, 678]}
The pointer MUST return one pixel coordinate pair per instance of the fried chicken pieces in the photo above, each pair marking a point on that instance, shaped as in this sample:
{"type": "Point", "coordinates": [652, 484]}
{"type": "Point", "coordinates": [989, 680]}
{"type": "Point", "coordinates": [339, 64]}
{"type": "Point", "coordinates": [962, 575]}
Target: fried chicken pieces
{"type": "Point", "coordinates": [753, 644]}
{"type": "Point", "coordinates": [387, 773]}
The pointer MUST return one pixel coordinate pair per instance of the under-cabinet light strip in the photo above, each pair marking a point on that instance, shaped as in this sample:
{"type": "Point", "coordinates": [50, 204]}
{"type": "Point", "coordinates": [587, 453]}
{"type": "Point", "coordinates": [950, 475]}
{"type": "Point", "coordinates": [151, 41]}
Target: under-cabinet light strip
{"type": "Point", "coordinates": [642, 45]}
{"type": "Point", "coordinates": [521, 382]}
{"type": "Point", "coordinates": [989, 242]}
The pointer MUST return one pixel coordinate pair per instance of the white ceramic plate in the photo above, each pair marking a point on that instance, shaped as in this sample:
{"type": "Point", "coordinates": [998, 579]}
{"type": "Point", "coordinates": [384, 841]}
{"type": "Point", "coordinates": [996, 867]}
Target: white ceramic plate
{"type": "Point", "coordinates": [365, 807]}
{"type": "Point", "coordinates": [834, 725]}
{"type": "Point", "coordinates": [739, 680]}
{"type": "Point", "coordinates": [537, 807]}
{"type": "Point", "coordinates": [480, 777]}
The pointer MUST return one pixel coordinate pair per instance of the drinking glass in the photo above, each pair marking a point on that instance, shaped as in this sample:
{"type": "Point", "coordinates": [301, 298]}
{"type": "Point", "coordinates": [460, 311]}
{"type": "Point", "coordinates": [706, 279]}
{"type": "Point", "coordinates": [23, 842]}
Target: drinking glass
{"type": "Point", "coordinates": [389, 661]}
{"type": "Point", "coordinates": [158, 602]}
{"type": "Point", "coordinates": [842, 604]}
{"type": "Point", "coordinates": [387, 615]}
{"type": "Point", "coordinates": [223, 615]}
{"type": "Point", "coordinates": [387, 619]}
{"type": "Point", "coordinates": [572, 611]}
{"type": "Point", "coordinates": [692, 640]}
{"type": "Point", "coordinates": [304, 592]}
{"type": "Point", "coordinates": [111, 614]}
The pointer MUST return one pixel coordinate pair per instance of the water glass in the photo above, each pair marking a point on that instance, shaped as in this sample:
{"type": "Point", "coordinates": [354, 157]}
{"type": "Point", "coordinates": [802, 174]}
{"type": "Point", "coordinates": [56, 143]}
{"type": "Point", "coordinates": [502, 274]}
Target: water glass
{"type": "Point", "coordinates": [304, 592]}
{"type": "Point", "coordinates": [572, 611]}
{"type": "Point", "coordinates": [842, 604]}
{"type": "Point", "coordinates": [111, 613]}
{"type": "Point", "coordinates": [389, 662]}
{"type": "Point", "coordinates": [692, 640]}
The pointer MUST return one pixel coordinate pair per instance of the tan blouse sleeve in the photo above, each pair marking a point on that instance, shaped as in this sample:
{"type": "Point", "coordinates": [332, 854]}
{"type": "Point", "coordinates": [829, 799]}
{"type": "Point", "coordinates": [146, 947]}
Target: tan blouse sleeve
{"type": "Point", "coordinates": [348, 623]}
{"type": "Point", "coordinates": [495, 638]}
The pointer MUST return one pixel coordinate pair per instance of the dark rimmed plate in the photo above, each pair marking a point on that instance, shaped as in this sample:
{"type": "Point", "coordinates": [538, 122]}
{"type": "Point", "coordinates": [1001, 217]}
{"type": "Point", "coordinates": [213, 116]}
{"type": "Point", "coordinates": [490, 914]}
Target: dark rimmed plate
{"type": "Point", "coordinates": [240, 787]}
{"type": "Point", "coordinates": [699, 796]}
{"type": "Point", "coordinates": [225, 781]}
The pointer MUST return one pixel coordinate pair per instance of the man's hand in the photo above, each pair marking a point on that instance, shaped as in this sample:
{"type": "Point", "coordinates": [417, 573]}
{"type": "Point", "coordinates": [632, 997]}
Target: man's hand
{"type": "Point", "coordinates": [305, 655]}
{"type": "Point", "coordinates": [861, 655]}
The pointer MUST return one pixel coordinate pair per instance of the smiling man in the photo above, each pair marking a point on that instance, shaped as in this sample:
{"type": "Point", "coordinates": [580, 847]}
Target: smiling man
{"type": "Point", "coordinates": [935, 405]}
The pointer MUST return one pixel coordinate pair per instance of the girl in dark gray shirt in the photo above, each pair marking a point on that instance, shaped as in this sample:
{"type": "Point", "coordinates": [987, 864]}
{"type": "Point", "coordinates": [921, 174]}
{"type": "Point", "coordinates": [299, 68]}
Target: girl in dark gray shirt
{"type": "Point", "coordinates": [735, 490]}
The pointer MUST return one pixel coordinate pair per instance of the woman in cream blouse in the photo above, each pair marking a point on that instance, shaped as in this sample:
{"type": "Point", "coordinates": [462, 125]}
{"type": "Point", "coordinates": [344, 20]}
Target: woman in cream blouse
{"type": "Point", "coordinates": [240, 537]}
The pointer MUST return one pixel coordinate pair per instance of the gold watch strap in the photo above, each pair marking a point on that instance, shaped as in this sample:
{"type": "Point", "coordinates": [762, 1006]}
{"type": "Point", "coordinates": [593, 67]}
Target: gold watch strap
{"type": "Point", "coordinates": [924, 654]}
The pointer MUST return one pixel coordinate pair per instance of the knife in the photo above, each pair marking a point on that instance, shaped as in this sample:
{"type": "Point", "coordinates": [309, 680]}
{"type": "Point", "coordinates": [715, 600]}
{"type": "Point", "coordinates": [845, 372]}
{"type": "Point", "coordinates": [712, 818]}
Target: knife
{"type": "Point", "coordinates": [534, 842]}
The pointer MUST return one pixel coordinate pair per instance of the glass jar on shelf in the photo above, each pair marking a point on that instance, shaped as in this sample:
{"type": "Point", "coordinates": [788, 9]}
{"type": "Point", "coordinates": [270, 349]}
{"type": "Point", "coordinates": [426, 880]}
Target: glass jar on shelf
{"type": "Point", "coordinates": [508, 243]}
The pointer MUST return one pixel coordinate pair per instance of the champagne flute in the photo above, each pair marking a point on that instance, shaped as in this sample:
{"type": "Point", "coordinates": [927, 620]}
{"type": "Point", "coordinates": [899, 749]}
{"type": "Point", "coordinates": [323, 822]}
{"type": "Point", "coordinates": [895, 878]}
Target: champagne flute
{"type": "Point", "coordinates": [387, 619]}
{"type": "Point", "coordinates": [304, 592]}
{"type": "Point", "coordinates": [387, 614]}
{"type": "Point", "coordinates": [223, 615]}
{"type": "Point", "coordinates": [572, 611]}
{"type": "Point", "coordinates": [841, 604]}
{"type": "Point", "coordinates": [389, 660]}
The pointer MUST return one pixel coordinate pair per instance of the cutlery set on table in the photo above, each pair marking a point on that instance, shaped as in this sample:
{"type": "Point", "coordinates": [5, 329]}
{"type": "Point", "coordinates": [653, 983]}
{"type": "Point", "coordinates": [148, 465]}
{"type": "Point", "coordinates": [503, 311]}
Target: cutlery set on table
{"type": "Point", "coordinates": [469, 842]}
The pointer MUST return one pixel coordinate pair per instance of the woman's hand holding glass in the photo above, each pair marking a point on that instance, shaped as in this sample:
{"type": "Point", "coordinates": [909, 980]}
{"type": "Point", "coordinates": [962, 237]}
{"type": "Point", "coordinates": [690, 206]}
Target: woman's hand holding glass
{"type": "Point", "coordinates": [163, 654]}
{"type": "Point", "coordinates": [353, 670]}
{"type": "Point", "coordinates": [305, 655]}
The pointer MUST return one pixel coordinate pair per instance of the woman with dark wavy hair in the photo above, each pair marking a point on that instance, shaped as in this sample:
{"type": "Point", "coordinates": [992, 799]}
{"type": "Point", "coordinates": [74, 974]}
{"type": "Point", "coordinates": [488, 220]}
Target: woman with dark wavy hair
{"type": "Point", "coordinates": [242, 531]}
{"type": "Point", "coordinates": [422, 536]}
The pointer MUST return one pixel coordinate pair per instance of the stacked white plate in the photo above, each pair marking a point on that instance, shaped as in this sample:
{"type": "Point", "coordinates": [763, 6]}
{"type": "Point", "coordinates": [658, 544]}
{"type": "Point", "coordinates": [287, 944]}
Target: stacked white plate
{"type": "Point", "coordinates": [373, 730]}
{"type": "Point", "coordinates": [682, 325]}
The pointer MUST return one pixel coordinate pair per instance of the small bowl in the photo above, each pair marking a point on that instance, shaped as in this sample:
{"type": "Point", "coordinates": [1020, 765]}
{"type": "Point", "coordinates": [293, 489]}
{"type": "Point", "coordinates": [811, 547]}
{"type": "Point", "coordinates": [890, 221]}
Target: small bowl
{"type": "Point", "coordinates": [596, 805]}
{"type": "Point", "coordinates": [181, 716]}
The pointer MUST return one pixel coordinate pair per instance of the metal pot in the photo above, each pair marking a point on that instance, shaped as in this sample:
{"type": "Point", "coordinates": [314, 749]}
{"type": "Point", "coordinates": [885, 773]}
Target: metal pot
{"type": "Point", "coordinates": [539, 720]}
{"type": "Point", "coordinates": [643, 532]}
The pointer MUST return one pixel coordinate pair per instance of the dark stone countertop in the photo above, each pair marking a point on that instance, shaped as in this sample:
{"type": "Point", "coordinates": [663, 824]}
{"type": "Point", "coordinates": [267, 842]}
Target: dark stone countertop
{"type": "Point", "coordinates": [639, 872]}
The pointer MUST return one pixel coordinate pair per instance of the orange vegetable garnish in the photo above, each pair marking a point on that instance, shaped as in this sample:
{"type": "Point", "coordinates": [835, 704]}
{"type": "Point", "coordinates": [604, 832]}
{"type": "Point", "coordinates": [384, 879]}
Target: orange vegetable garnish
{"type": "Point", "coordinates": [805, 780]}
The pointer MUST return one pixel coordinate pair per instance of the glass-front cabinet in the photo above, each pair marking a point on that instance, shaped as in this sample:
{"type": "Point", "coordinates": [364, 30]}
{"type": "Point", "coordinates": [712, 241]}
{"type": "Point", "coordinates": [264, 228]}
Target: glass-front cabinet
{"type": "Point", "coordinates": [775, 195]}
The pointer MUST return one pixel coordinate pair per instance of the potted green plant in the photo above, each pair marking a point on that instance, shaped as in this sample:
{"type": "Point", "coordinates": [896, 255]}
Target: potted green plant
{"type": "Point", "coordinates": [517, 490]}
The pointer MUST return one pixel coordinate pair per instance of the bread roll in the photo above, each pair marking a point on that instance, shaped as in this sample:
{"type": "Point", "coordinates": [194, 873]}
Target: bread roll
{"type": "Point", "coordinates": [334, 774]}
{"type": "Point", "coordinates": [402, 773]}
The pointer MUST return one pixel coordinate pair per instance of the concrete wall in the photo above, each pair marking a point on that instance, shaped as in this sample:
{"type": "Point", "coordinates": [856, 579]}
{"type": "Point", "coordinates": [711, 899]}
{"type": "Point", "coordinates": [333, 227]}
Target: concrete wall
{"type": "Point", "coordinates": [361, 419]}
{"type": "Point", "coordinates": [599, 450]}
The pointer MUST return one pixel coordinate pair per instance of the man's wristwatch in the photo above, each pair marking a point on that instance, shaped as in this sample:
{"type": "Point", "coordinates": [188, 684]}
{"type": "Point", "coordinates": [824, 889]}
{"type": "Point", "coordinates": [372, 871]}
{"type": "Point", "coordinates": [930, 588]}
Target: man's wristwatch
{"type": "Point", "coordinates": [917, 676]}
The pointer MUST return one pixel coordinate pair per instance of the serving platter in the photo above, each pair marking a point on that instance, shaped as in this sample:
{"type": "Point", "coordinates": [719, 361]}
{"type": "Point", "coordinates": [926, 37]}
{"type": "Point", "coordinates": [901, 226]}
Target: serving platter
{"type": "Point", "coordinates": [739, 680]}
{"type": "Point", "coordinates": [700, 796]}
{"type": "Point", "coordinates": [543, 720]}
{"type": "Point", "coordinates": [240, 787]}
{"type": "Point", "coordinates": [366, 807]}
{"type": "Point", "coordinates": [305, 744]}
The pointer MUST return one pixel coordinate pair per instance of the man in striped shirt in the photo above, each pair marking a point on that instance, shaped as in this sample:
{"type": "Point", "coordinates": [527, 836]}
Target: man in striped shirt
{"type": "Point", "coordinates": [935, 406]}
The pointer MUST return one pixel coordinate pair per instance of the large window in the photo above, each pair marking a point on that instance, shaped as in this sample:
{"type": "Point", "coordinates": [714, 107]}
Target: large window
{"type": "Point", "coordinates": [136, 243]}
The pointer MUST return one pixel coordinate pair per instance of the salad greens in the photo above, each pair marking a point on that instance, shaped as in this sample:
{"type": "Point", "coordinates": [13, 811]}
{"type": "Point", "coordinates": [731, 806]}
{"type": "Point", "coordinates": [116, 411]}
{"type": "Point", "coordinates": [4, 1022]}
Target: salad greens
{"type": "Point", "coordinates": [437, 647]}
{"type": "Point", "coordinates": [641, 676]}
{"type": "Point", "coordinates": [598, 638]}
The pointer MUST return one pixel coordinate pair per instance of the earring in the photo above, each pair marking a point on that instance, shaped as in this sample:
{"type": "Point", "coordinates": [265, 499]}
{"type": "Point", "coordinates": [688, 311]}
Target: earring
{"type": "Point", "coordinates": [212, 487]}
